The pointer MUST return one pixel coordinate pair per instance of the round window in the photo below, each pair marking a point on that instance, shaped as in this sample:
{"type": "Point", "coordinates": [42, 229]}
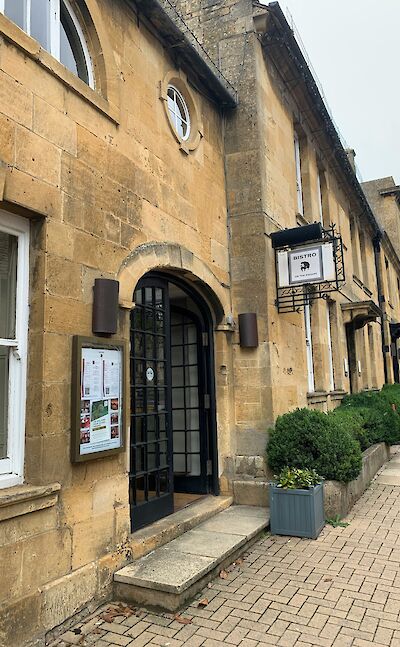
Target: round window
{"type": "Point", "coordinates": [178, 112]}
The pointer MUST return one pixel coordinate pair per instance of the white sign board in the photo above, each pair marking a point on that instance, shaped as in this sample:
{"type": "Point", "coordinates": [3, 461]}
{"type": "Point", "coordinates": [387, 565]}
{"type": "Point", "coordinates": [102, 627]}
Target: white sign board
{"type": "Point", "coordinates": [313, 264]}
{"type": "Point", "coordinates": [305, 265]}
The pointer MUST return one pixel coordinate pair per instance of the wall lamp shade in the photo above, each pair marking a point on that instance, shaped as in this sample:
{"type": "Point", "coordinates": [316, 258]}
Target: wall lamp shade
{"type": "Point", "coordinates": [248, 330]}
{"type": "Point", "coordinates": [105, 307]}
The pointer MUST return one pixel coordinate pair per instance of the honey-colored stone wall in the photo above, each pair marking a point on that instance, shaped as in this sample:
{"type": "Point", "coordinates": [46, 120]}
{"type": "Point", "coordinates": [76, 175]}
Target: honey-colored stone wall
{"type": "Point", "coordinates": [384, 201]}
{"type": "Point", "coordinates": [110, 194]}
{"type": "Point", "coordinates": [261, 184]}
{"type": "Point", "coordinates": [101, 176]}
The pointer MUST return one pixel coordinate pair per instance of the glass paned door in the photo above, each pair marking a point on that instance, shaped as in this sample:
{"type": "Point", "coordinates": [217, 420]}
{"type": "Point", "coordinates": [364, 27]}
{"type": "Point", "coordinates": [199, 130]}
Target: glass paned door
{"type": "Point", "coordinates": [151, 480]}
{"type": "Point", "coordinates": [188, 419]}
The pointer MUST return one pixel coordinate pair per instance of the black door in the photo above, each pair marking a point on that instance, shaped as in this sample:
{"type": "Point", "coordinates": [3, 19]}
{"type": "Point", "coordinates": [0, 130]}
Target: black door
{"type": "Point", "coordinates": [189, 406]}
{"type": "Point", "coordinates": [173, 422]}
{"type": "Point", "coordinates": [151, 475]}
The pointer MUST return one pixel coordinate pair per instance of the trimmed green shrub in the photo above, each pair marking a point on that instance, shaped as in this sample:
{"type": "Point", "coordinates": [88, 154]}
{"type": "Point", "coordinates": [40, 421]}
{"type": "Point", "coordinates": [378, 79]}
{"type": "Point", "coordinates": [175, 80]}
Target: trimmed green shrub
{"type": "Point", "coordinates": [311, 439]}
{"type": "Point", "coordinates": [382, 425]}
{"type": "Point", "coordinates": [363, 399]}
{"type": "Point", "coordinates": [380, 411]}
{"type": "Point", "coordinates": [353, 419]}
{"type": "Point", "coordinates": [391, 394]}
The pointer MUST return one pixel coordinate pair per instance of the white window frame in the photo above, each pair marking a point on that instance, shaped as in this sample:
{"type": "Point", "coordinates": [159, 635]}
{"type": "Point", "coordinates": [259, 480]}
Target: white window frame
{"type": "Point", "coordinates": [299, 185]}
{"type": "Point", "coordinates": [54, 29]}
{"type": "Point", "coordinates": [11, 468]}
{"type": "Point", "coordinates": [175, 112]}
{"type": "Point", "coordinates": [330, 351]}
{"type": "Point", "coordinates": [83, 43]}
{"type": "Point", "coordinates": [309, 349]}
{"type": "Point", "coordinates": [319, 195]}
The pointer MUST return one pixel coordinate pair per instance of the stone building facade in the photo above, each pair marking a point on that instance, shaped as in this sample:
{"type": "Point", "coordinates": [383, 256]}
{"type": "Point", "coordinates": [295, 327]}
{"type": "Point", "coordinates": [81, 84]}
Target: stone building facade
{"type": "Point", "coordinates": [96, 182]}
{"type": "Point", "coordinates": [285, 167]}
{"type": "Point", "coordinates": [384, 197]}
{"type": "Point", "coordinates": [126, 155]}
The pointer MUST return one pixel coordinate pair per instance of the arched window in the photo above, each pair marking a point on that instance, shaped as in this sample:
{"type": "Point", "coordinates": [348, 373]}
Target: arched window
{"type": "Point", "coordinates": [54, 24]}
{"type": "Point", "coordinates": [179, 112]}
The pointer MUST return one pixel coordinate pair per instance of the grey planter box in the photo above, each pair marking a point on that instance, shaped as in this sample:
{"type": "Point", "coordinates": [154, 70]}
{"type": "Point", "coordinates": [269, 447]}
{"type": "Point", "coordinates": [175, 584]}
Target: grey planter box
{"type": "Point", "coordinates": [299, 513]}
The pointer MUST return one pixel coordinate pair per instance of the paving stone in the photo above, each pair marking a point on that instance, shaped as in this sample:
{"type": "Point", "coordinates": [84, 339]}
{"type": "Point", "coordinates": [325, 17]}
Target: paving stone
{"type": "Point", "coordinates": [340, 590]}
{"type": "Point", "coordinates": [117, 639]}
{"type": "Point", "coordinates": [70, 638]}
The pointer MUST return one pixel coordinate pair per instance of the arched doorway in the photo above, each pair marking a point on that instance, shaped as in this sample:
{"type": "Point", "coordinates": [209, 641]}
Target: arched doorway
{"type": "Point", "coordinates": [173, 424]}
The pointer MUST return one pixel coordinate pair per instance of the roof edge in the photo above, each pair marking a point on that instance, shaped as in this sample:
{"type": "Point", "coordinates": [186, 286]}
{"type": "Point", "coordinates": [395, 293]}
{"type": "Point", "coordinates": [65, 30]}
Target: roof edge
{"type": "Point", "coordinates": [280, 22]}
{"type": "Point", "coordinates": [176, 34]}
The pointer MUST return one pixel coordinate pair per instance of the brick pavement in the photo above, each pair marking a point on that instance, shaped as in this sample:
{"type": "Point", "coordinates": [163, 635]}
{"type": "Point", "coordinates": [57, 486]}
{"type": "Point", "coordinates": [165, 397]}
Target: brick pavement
{"type": "Point", "coordinates": [340, 590]}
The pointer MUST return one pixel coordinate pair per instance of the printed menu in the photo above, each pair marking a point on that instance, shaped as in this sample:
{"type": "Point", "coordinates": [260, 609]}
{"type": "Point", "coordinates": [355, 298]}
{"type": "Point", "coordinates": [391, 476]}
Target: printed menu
{"type": "Point", "coordinates": [100, 414]}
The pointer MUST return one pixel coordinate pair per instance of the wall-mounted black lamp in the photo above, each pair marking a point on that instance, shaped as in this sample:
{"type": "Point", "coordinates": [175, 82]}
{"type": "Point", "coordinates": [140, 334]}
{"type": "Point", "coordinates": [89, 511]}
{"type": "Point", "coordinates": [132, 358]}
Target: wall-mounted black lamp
{"type": "Point", "coordinates": [105, 307]}
{"type": "Point", "coordinates": [248, 330]}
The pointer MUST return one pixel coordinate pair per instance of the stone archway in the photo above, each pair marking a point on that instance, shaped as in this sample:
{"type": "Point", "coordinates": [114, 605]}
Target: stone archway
{"type": "Point", "coordinates": [173, 257]}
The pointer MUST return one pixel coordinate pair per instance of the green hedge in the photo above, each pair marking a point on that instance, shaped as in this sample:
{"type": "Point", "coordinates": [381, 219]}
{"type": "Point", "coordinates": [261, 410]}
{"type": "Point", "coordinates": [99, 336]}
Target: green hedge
{"type": "Point", "coordinates": [310, 439]}
{"type": "Point", "coordinates": [354, 420]}
{"type": "Point", "coordinates": [379, 412]}
{"type": "Point", "coordinates": [332, 443]}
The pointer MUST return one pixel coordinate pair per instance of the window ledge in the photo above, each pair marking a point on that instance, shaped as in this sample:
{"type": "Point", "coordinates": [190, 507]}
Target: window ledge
{"type": "Point", "coordinates": [338, 394]}
{"type": "Point", "coordinates": [30, 47]}
{"type": "Point", "coordinates": [357, 281]}
{"type": "Point", "coordinates": [301, 219]}
{"type": "Point", "coordinates": [23, 499]}
{"type": "Point", "coordinates": [362, 285]}
{"type": "Point", "coordinates": [321, 396]}
{"type": "Point", "coordinates": [317, 396]}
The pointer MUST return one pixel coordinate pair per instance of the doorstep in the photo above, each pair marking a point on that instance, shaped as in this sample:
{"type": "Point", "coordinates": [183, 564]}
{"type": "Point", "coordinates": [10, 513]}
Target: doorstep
{"type": "Point", "coordinates": [161, 532]}
{"type": "Point", "coordinates": [171, 575]}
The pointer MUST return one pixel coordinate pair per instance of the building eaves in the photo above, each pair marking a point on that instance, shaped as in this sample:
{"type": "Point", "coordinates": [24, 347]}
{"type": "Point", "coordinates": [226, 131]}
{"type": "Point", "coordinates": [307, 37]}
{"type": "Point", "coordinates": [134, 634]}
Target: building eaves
{"type": "Point", "coordinates": [177, 37]}
{"type": "Point", "coordinates": [390, 251]}
{"type": "Point", "coordinates": [279, 42]}
{"type": "Point", "coordinates": [391, 190]}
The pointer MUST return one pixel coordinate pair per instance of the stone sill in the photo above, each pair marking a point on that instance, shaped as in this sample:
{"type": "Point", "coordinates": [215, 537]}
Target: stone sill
{"type": "Point", "coordinates": [24, 499]}
{"type": "Point", "coordinates": [357, 281]}
{"type": "Point", "coordinates": [322, 396]}
{"type": "Point", "coordinates": [30, 47]}
{"type": "Point", "coordinates": [362, 285]}
{"type": "Point", "coordinates": [337, 394]}
{"type": "Point", "coordinates": [317, 396]}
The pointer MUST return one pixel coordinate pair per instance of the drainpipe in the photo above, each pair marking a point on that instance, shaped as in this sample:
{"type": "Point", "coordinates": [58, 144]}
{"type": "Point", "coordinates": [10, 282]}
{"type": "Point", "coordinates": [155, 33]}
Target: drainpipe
{"type": "Point", "coordinates": [381, 297]}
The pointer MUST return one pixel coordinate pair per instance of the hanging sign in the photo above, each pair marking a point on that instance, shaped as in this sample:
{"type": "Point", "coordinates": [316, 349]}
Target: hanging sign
{"type": "Point", "coordinates": [97, 413]}
{"type": "Point", "coordinates": [302, 265]}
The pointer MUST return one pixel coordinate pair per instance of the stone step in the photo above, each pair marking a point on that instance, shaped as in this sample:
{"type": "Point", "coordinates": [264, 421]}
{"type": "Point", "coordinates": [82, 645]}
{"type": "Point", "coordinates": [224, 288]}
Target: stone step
{"type": "Point", "coordinates": [252, 491]}
{"type": "Point", "coordinates": [173, 574]}
{"type": "Point", "coordinates": [161, 532]}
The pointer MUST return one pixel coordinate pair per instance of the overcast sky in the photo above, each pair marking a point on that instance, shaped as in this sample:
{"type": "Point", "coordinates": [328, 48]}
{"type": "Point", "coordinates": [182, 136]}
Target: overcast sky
{"type": "Point", "coordinates": [354, 47]}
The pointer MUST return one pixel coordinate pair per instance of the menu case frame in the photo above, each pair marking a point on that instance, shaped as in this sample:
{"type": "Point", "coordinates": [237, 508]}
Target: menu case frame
{"type": "Point", "coordinates": [79, 402]}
